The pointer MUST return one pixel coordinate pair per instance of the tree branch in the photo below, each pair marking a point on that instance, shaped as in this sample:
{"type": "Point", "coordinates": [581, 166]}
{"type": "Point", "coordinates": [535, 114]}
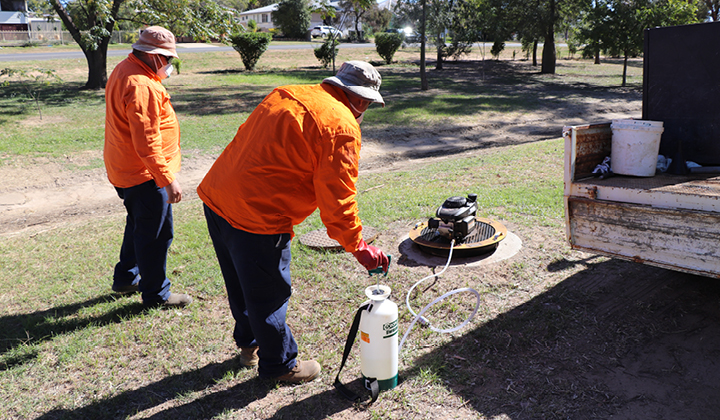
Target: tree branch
{"type": "Point", "coordinates": [69, 24]}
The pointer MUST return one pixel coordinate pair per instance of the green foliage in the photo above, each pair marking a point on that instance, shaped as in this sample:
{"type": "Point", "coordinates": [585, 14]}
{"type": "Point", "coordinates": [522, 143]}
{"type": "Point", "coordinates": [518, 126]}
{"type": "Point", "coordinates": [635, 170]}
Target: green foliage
{"type": "Point", "coordinates": [378, 19]}
{"type": "Point", "coordinates": [201, 20]}
{"type": "Point", "coordinates": [325, 9]}
{"type": "Point", "coordinates": [357, 9]}
{"type": "Point", "coordinates": [292, 17]}
{"type": "Point", "coordinates": [252, 25]}
{"type": "Point", "coordinates": [387, 44]}
{"type": "Point", "coordinates": [251, 46]}
{"type": "Point", "coordinates": [616, 26]}
{"type": "Point", "coordinates": [327, 52]}
{"type": "Point", "coordinates": [91, 22]}
{"type": "Point", "coordinates": [497, 48]}
{"type": "Point", "coordinates": [177, 63]}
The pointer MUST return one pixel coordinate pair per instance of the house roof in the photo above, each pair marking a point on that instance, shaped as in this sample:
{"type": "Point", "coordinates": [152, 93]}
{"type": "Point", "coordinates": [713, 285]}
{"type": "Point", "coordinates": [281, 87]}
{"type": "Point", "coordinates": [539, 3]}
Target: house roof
{"type": "Point", "coordinates": [265, 9]}
{"type": "Point", "coordinates": [273, 7]}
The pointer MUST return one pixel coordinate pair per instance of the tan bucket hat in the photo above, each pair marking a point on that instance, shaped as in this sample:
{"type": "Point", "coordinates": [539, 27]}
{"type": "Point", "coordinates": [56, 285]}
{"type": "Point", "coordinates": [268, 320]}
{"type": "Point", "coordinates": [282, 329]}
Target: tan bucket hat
{"type": "Point", "coordinates": [360, 79]}
{"type": "Point", "coordinates": [156, 40]}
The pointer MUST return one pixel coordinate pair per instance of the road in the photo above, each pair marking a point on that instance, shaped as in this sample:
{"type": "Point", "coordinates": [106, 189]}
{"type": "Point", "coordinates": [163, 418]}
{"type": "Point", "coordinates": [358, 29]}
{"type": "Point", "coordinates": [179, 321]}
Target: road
{"type": "Point", "coordinates": [182, 49]}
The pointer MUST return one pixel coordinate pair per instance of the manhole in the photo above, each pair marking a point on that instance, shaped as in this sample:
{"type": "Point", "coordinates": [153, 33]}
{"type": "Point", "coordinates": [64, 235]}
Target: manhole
{"type": "Point", "coordinates": [484, 239]}
{"type": "Point", "coordinates": [319, 239]}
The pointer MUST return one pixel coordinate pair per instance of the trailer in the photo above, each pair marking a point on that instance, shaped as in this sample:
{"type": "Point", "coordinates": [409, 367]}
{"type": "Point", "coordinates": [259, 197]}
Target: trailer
{"type": "Point", "coordinates": [671, 219]}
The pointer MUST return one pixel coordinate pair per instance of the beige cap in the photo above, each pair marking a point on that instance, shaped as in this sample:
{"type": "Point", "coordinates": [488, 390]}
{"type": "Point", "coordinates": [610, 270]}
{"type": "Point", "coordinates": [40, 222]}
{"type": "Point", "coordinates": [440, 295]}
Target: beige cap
{"type": "Point", "coordinates": [360, 79]}
{"type": "Point", "coordinates": [156, 40]}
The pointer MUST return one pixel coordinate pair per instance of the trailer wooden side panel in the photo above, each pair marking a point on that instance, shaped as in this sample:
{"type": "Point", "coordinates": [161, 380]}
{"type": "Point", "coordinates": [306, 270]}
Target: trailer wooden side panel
{"type": "Point", "coordinates": [683, 240]}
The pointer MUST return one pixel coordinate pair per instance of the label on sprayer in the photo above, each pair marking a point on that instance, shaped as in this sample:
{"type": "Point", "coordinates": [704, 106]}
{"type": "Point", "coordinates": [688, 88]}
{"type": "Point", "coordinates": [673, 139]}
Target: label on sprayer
{"type": "Point", "coordinates": [391, 328]}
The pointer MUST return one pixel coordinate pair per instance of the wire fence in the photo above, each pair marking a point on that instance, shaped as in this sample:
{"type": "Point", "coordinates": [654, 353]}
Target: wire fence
{"type": "Point", "coordinates": [34, 38]}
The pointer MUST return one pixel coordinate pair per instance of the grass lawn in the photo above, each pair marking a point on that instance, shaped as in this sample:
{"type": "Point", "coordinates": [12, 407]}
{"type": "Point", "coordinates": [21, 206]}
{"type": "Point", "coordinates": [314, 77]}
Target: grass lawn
{"type": "Point", "coordinates": [71, 349]}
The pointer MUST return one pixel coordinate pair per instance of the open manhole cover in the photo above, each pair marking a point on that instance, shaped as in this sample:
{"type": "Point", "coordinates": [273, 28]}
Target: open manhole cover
{"type": "Point", "coordinates": [319, 239]}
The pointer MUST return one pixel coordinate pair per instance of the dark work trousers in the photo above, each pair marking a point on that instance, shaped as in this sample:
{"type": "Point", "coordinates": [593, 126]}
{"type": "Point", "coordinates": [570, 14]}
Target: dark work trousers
{"type": "Point", "coordinates": [256, 269]}
{"type": "Point", "coordinates": [148, 235]}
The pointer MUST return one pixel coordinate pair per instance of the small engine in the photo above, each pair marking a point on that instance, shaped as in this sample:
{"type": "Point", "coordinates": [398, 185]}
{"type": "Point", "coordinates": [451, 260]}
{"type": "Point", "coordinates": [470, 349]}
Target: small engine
{"type": "Point", "coordinates": [456, 217]}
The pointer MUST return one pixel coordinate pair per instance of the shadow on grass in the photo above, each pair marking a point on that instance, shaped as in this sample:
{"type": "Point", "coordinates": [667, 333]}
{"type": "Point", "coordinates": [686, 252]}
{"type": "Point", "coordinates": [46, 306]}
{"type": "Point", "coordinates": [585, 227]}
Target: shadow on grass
{"type": "Point", "coordinates": [129, 403]}
{"type": "Point", "coordinates": [18, 98]}
{"type": "Point", "coordinates": [617, 339]}
{"type": "Point", "coordinates": [20, 333]}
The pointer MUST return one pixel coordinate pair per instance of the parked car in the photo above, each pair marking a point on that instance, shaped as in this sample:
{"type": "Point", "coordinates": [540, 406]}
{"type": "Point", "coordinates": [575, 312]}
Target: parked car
{"type": "Point", "coordinates": [324, 31]}
{"type": "Point", "coordinates": [411, 36]}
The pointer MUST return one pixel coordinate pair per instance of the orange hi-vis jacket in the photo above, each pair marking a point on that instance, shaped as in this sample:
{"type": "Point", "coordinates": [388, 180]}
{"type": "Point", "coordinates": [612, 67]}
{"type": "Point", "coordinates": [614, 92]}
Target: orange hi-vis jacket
{"type": "Point", "coordinates": [297, 151]}
{"type": "Point", "coordinates": [142, 134]}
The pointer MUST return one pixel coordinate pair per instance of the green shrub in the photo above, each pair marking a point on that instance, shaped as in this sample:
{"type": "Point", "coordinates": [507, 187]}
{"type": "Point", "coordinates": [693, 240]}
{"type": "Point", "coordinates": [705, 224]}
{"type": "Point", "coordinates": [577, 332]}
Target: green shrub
{"type": "Point", "coordinates": [250, 45]}
{"type": "Point", "coordinates": [177, 63]}
{"type": "Point", "coordinates": [327, 51]}
{"type": "Point", "coordinates": [252, 25]}
{"type": "Point", "coordinates": [497, 48]}
{"type": "Point", "coordinates": [387, 44]}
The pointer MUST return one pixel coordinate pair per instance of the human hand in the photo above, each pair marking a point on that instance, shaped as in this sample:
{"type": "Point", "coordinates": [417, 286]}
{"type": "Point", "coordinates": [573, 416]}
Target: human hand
{"type": "Point", "coordinates": [174, 192]}
{"type": "Point", "coordinates": [371, 257]}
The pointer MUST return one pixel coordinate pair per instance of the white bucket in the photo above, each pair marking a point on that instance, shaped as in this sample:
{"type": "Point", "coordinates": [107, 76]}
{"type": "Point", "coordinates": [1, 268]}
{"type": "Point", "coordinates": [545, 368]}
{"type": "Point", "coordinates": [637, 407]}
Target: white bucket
{"type": "Point", "coordinates": [635, 146]}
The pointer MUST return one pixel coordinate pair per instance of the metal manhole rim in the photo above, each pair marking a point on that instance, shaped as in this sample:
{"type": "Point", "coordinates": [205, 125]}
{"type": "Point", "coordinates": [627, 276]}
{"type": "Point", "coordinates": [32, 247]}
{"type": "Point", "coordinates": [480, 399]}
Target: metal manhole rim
{"type": "Point", "coordinates": [500, 234]}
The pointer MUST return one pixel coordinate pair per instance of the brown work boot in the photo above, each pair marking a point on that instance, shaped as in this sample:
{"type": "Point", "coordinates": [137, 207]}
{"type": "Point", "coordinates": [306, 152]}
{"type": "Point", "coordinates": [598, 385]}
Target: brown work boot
{"type": "Point", "coordinates": [248, 356]}
{"type": "Point", "coordinates": [302, 372]}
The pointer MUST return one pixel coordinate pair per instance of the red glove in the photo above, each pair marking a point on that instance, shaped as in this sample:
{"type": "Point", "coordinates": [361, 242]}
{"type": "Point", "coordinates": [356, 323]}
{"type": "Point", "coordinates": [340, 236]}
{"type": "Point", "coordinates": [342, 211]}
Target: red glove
{"type": "Point", "coordinates": [371, 257]}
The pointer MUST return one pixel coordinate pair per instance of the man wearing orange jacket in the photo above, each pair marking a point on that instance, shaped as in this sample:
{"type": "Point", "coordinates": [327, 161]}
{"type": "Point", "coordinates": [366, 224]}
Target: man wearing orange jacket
{"type": "Point", "coordinates": [142, 155]}
{"type": "Point", "coordinates": [297, 151]}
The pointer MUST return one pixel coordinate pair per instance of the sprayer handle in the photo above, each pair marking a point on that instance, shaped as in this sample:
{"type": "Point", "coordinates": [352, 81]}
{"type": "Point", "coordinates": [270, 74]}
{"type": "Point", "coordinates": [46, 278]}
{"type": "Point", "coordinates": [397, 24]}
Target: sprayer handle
{"type": "Point", "coordinates": [380, 269]}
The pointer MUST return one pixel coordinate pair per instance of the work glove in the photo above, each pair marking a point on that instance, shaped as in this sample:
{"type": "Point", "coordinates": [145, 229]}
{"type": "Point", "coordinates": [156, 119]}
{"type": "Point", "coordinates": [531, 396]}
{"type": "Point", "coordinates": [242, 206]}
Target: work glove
{"type": "Point", "coordinates": [371, 257]}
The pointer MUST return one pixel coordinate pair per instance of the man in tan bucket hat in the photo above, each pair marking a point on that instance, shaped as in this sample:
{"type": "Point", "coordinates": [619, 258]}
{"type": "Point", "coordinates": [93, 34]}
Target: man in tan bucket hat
{"type": "Point", "coordinates": [142, 155]}
{"type": "Point", "coordinates": [298, 151]}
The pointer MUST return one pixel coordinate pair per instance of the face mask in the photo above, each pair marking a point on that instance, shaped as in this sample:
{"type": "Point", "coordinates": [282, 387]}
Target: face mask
{"type": "Point", "coordinates": [164, 71]}
{"type": "Point", "coordinates": [359, 118]}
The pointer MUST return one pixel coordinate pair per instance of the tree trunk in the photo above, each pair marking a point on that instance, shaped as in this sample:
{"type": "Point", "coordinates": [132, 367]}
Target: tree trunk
{"type": "Point", "coordinates": [548, 55]}
{"type": "Point", "coordinates": [597, 57]}
{"type": "Point", "coordinates": [624, 79]}
{"type": "Point", "coordinates": [439, 63]}
{"type": "Point", "coordinates": [97, 68]}
{"type": "Point", "coordinates": [535, 45]}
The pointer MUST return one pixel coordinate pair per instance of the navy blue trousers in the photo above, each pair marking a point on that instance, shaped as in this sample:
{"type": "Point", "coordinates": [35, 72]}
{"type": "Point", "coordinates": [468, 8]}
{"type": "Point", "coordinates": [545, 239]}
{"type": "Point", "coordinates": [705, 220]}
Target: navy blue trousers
{"type": "Point", "coordinates": [147, 238]}
{"type": "Point", "coordinates": [256, 269]}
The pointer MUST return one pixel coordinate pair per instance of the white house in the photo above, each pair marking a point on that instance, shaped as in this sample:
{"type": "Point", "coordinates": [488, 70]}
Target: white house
{"type": "Point", "coordinates": [13, 16]}
{"type": "Point", "coordinates": [262, 16]}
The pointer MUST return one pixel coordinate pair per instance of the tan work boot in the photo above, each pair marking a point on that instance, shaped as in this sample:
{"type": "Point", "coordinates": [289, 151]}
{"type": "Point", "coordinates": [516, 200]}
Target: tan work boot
{"type": "Point", "coordinates": [248, 356]}
{"type": "Point", "coordinates": [175, 300]}
{"type": "Point", "coordinates": [302, 372]}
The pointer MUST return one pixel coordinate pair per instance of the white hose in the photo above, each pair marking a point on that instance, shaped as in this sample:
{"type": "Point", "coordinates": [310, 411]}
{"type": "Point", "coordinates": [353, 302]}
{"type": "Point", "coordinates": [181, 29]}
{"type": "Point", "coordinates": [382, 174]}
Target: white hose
{"type": "Point", "coordinates": [424, 320]}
